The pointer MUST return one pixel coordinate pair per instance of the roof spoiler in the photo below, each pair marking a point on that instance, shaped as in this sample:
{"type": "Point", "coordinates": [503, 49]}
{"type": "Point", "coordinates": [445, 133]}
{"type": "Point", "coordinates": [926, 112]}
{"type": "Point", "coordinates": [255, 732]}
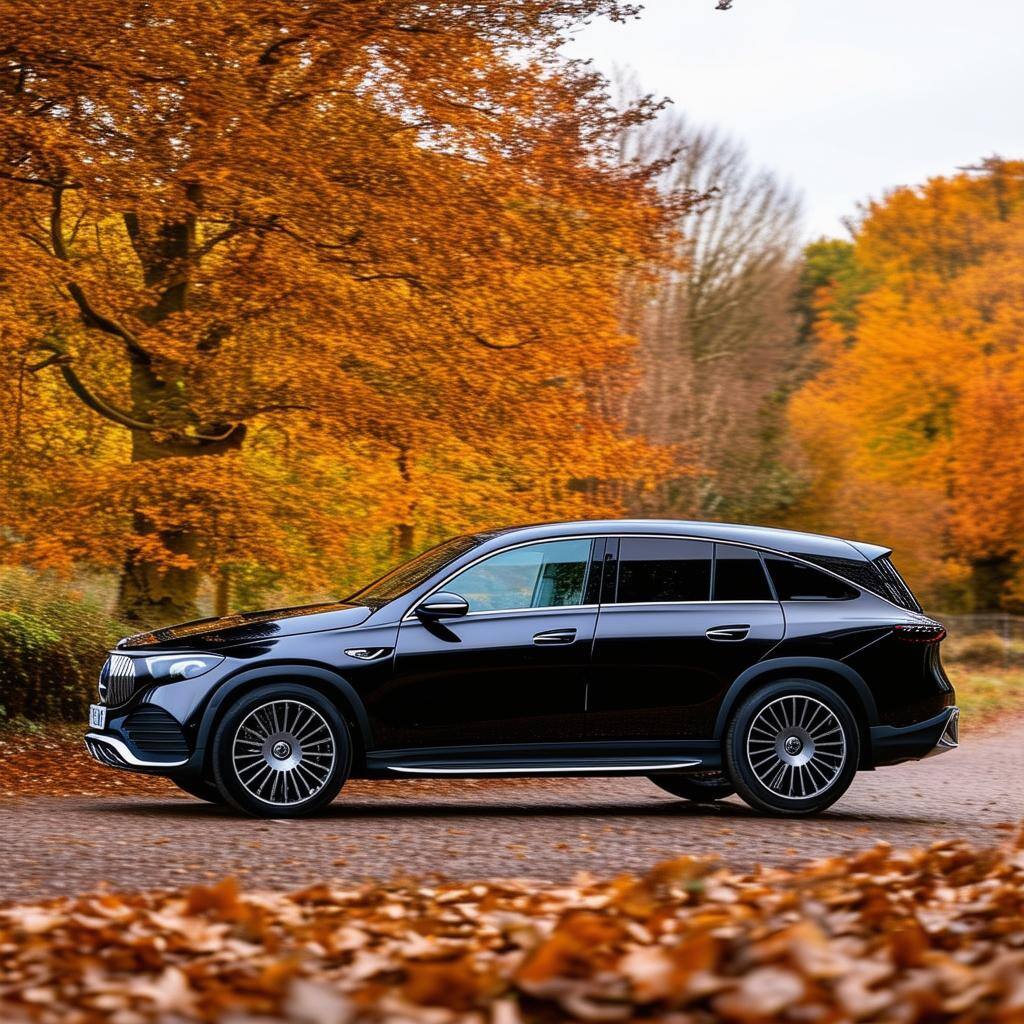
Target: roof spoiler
{"type": "Point", "coordinates": [870, 551]}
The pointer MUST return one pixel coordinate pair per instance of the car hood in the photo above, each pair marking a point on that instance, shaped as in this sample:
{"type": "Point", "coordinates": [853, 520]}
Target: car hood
{"type": "Point", "coordinates": [247, 627]}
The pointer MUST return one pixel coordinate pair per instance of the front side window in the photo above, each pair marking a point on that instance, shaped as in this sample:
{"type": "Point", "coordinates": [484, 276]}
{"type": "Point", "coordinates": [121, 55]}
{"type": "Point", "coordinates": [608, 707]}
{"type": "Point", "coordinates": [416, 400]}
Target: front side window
{"type": "Point", "coordinates": [659, 569]}
{"type": "Point", "coordinates": [739, 575]}
{"type": "Point", "coordinates": [795, 581]}
{"type": "Point", "coordinates": [550, 574]}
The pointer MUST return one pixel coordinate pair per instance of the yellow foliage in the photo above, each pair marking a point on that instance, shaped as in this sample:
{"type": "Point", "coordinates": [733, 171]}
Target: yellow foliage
{"type": "Point", "coordinates": [913, 430]}
{"type": "Point", "coordinates": [300, 290]}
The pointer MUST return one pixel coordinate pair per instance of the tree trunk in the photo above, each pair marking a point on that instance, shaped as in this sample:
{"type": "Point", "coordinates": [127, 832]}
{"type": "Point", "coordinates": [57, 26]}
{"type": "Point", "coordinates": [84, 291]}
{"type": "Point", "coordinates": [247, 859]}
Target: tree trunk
{"type": "Point", "coordinates": [222, 597]}
{"type": "Point", "coordinates": [151, 594]}
{"type": "Point", "coordinates": [989, 579]}
{"type": "Point", "coordinates": [405, 533]}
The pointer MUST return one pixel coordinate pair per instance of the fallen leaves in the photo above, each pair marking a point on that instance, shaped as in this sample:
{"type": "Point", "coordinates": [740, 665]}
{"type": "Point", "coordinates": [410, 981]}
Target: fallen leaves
{"type": "Point", "coordinates": [53, 761]}
{"type": "Point", "coordinates": [934, 935]}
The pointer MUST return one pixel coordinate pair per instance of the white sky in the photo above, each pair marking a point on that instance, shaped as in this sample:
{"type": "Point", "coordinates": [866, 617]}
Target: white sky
{"type": "Point", "coordinates": [843, 98]}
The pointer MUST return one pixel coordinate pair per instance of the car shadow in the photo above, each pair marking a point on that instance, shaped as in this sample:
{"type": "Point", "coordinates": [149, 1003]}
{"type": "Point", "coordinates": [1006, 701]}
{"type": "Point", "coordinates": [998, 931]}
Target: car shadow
{"type": "Point", "coordinates": [181, 809]}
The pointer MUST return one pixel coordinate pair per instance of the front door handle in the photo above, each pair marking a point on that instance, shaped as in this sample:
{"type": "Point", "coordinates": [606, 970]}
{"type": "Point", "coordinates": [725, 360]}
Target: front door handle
{"type": "Point", "coordinates": [555, 636]}
{"type": "Point", "coordinates": [727, 632]}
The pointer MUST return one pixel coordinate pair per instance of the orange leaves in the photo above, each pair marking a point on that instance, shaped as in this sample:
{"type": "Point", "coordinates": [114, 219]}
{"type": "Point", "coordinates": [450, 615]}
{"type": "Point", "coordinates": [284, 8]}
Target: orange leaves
{"type": "Point", "coordinates": [334, 243]}
{"type": "Point", "coordinates": [909, 429]}
{"type": "Point", "coordinates": [922, 935]}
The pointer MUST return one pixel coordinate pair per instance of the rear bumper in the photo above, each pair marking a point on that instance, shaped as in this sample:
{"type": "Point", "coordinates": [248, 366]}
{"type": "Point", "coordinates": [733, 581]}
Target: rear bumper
{"type": "Point", "coordinates": [892, 745]}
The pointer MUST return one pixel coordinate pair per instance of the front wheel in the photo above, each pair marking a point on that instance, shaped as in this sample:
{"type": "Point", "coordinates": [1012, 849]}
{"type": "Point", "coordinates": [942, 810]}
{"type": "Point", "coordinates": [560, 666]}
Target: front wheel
{"type": "Point", "coordinates": [700, 787]}
{"type": "Point", "coordinates": [792, 748]}
{"type": "Point", "coordinates": [282, 751]}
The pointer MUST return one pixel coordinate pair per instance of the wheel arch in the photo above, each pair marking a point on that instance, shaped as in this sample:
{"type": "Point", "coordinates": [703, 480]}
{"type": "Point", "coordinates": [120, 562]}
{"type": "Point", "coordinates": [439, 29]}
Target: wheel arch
{"type": "Point", "coordinates": [334, 687]}
{"type": "Point", "coordinates": [846, 682]}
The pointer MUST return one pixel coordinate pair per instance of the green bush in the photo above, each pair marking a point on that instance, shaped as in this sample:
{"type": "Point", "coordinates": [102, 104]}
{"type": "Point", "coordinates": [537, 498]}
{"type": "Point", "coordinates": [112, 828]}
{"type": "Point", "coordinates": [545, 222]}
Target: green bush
{"type": "Point", "coordinates": [981, 650]}
{"type": "Point", "coordinates": [52, 645]}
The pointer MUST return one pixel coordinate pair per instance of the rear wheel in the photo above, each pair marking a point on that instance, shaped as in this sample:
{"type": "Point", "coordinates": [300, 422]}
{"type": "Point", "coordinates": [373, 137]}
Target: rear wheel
{"type": "Point", "coordinates": [282, 751]}
{"type": "Point", "coordinates": [199, 788]}
{"type": "Point", "coordinates": [792, 748]}
{"type": "Point", "coordinates": [700, 787]}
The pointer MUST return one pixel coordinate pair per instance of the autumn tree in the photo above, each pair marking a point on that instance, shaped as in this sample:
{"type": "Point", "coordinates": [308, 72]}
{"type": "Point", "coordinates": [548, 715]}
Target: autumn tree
{"type": "Point", "coordinates": [716, 327]}
{"type": "Point", "coordinates": [910, 434]}
{"type": "Point", "coordinates": [296, 287]}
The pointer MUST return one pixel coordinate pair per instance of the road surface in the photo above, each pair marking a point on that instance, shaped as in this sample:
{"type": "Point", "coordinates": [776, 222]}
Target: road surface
{"type": "Point", "coordinates": [544, 829]}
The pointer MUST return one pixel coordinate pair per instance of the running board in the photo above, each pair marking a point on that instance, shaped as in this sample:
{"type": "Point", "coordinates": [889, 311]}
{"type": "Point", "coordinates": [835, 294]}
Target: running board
{"type": "Point", "coordinates": [383, 766]}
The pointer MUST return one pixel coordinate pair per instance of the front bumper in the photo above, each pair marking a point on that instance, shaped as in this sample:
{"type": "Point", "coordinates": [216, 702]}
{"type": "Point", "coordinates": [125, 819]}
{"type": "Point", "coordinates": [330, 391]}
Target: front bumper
{"type": "Point", "coordinates": [140, 738]}
{"type": "Point", "coordinates": [894, 745]}
{"type": "Point", "coordinates": [115, 753]}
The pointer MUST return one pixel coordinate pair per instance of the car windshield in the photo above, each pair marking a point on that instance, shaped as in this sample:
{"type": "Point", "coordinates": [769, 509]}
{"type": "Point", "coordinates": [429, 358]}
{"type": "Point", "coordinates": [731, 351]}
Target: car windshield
{"type": "Point", "coordinates": [411, 574]}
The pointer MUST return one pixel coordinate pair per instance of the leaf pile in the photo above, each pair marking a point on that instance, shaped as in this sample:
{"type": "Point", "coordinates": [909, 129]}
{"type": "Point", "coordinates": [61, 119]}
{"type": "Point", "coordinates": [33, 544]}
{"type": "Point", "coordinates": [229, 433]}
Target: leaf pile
{"type": "Point", "coordinates": [934, 935]}
{"type": "Point", "coordinates": [53, 762]}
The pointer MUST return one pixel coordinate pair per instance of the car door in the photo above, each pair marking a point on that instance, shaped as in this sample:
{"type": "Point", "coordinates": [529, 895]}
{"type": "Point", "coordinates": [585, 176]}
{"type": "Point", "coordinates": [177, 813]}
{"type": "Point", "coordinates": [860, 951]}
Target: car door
{"type": "Point", "coordinates": [683, 620]}
{"type": "Point", "coordinates": [510, 671]}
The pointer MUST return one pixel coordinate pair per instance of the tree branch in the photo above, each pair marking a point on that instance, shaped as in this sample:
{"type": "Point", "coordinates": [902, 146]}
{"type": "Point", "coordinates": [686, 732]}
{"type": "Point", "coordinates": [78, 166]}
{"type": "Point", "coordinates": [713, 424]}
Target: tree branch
{"type": "Point", "coordinates": [39, 182]}
{"type": "Point", "coordinates": [58, 357]}
{"type": "Point", "coordinates": [92, 318]}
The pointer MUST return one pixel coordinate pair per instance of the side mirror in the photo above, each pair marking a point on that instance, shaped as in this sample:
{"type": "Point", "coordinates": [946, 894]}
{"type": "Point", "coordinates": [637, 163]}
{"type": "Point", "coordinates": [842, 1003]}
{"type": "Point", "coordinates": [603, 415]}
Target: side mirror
{"type": "Point", "coordinates": [442, 606]}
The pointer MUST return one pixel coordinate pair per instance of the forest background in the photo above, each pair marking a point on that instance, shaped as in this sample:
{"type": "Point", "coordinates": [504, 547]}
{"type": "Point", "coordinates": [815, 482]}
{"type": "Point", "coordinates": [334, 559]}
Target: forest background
{"type": "Point", "coordinates": [290, 293]}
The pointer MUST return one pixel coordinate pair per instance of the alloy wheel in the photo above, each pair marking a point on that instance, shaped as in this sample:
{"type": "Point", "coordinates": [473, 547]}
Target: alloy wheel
{"type": "Point", "coordinates": [796, 747]}
{"type": "Point", "coordinates": [283, 752]}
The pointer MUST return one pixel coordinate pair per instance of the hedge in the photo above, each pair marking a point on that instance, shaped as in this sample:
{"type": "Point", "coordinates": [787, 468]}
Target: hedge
{"type": "Point", "coordinates": [52, 645]}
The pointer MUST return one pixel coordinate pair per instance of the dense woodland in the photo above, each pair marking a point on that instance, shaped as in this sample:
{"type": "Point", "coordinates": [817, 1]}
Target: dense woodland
{"type": "Point", "coordinates": [287, 294]}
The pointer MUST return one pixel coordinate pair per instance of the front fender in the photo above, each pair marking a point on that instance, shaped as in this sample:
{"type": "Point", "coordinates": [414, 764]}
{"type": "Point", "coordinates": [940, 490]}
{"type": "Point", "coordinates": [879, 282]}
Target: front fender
{"type": "Point", "coordinates": [250, 677]}
{"type": "Point", "coordinates": [780, 668]}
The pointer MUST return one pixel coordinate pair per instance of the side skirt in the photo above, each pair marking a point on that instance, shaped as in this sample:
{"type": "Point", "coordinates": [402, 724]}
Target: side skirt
{"type": "Point", "coordinates": [580, 759]}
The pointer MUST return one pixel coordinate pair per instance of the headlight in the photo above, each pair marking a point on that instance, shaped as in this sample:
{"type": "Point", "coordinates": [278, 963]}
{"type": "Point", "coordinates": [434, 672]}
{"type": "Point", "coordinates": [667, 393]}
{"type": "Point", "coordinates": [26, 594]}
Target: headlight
{"type": "Point", "coordinates": [172, 668]}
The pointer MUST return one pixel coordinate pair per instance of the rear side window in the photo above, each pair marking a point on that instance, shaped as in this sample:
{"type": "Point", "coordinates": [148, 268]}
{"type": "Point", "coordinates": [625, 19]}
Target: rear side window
{"type": "Point", "coordinates": [896, 588]}
{"type": "Point", "coordinates": [653, 569]}
{"type": "Point", "coordinates": [879, 576]}
{"type": "Point", "coordinates": [739, 575]}
{"type": "Point", "coordinates": [795, 581]}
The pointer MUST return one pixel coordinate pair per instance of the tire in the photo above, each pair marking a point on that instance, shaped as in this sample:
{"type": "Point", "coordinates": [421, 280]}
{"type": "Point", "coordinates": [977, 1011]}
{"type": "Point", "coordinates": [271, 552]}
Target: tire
{"type": "Point", "coordinates": [792, 748]}
{"type": "Point", "coordinates": [281, 751]}
{"type": "Point", "coordinates": [200, 788]}
{"type": "Point", "coordinates": [700, 787]}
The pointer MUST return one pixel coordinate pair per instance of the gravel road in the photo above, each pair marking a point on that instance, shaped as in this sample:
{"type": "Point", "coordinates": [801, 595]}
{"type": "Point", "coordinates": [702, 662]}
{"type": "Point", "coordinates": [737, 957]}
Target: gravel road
{"type": "Point", "coordinates": [545, 829]}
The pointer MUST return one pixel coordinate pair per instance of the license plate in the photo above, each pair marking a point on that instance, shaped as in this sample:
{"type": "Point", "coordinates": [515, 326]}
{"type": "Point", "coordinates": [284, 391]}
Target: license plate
{"type": "Point", "coordinates": [97, 716]}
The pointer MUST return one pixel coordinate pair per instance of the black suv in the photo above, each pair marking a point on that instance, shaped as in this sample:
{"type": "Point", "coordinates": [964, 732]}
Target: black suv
{"type": "Point", "coordinates": [710, 658]}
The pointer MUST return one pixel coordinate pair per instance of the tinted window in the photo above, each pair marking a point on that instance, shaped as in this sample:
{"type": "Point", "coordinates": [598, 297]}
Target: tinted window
{"type": "Point", "coordinates": [662, 569]}
{"type": "Point", "coordinates": [795, 581]}
{"type": "Point", "coordinates": [879, 576]}
{"type": "Point", "coordinates": [547, 575]}
{"type": "Point", "coordinates": [739, 575]}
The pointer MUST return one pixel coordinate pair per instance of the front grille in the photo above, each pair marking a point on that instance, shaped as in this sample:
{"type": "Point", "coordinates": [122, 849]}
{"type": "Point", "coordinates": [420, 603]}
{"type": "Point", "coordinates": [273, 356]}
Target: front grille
{"type": "Point", "coordinates": [155, 734]}
{"type": "Point", "coordinates": [117, 680]}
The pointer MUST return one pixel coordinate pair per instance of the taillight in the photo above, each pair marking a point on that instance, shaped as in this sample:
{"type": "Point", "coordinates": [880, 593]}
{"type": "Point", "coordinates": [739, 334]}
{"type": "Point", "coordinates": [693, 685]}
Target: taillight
{"type": "Point", "coordinates": [920, 633]}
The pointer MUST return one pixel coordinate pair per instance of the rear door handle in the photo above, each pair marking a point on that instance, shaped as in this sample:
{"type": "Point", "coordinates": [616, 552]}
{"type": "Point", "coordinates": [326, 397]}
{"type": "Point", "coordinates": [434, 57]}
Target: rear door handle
{"type": "Point", "coordinates": [727, 632]}
{"type": "Point", "coordinates": [555, 636]}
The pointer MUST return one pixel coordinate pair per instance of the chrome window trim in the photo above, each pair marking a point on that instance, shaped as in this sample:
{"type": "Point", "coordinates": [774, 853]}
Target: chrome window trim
{"type": "Point", "coordinates": [651, 604]}
{"type": "Point", "coordinates": [759, 548]}
{"type": "Point", "coordinates": [515, 611]}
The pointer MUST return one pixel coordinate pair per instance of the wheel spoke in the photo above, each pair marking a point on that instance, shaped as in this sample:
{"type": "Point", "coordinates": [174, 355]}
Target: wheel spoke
{"type": "Point", "coordinates": [796, 746]}
{"type": "Point", "coordinates": [283, 752]}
